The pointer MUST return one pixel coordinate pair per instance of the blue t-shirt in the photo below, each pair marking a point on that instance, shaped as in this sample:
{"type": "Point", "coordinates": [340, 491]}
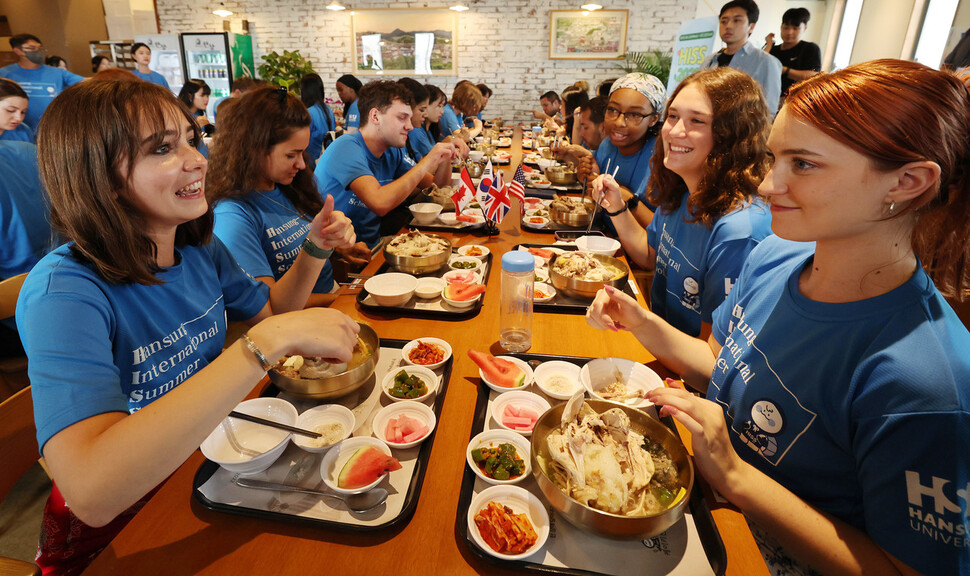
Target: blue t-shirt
{"type": "Point", "coordinates": [42, 85]}
{"type": "Point", "coordinates": [21, 133]}
{"type": "Point", "coordinates": [153, 77]}
{"type": "Point", "coordinates": [862, 409]}
{"type": "Point", "coordinates": [450, 121]}
{"type": "Point", "coordinates": [346, 160]}
{"type": "Point", "coordinates": [25, 230]}
{"type": "Point", "coordinates": [264, 232]}
{"type": "Point", "coordinates": [353, 116]}
{"type": "Point", "coordinates": [421, 142]}
{"type": "Point", "coordinates": [320, 123]}
{"type": "Point", "coordinates": [696, 266]}
{"type": "Point", "coordinates": [128, 344]}
{"type": "Point", "coordinates": [634, 169]}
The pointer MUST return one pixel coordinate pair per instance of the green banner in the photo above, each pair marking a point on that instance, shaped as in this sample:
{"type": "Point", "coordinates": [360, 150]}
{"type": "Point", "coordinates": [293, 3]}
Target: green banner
{"type": "Point", "coordinates": [241, 48]}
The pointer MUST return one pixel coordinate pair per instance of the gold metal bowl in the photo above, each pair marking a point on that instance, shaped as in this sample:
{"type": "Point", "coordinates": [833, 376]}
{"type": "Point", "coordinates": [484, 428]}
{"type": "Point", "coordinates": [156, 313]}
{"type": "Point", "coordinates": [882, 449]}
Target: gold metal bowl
{"type": "Point", "coordinates": [596, 521]}
{"type": "Point", "coordinates": [338, 384]}
{"type": "Point", "coordinates": [585, 288]}
{"type": "Point", "coordinates": [475, 169]}
{"type": "Point", "coordinates": [561, 175]}
{"type": "Point", "coordinates": [419, 264]}
{"type": "Point", "coordinates": [573, 219]}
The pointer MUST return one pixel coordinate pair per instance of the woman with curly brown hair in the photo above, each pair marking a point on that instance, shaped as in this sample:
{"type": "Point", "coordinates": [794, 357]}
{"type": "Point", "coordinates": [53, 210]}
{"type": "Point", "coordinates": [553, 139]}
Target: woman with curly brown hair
{"type": "Point", "coordinates": [264, 194]}
{"type": "Point", "coordinates": [711, 155]}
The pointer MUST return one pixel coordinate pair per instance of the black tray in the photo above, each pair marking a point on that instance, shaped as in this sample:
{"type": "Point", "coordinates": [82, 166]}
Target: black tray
{"type": "Point", "coordinates": [701, 512]}
{"type": "Point", "coordinates": [563, 304]}
{"type": "Point", "coordinates": [425, 313]}
{"type": "Point", "coordinates": [208, 468]}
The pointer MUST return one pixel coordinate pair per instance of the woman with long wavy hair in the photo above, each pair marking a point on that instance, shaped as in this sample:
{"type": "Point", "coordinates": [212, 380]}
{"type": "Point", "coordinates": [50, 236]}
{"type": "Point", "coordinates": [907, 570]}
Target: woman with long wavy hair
{"type": "Point", "coordinates": [837, 415]}
{"type": "Point", "coordinates": [710, 157]}
{"type": "Point", "coordinates": [263, 192]}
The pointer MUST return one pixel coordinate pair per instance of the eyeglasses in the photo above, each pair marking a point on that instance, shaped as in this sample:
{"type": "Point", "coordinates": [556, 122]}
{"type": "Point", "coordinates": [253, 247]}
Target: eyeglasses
{"type": "Point", "coordinates": [632, 118]}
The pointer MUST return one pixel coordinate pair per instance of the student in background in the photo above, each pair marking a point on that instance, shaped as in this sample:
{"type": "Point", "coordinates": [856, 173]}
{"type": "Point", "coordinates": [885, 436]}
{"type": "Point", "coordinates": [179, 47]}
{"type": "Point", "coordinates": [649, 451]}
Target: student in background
{"type": "Point", "coordinates": [799, 58]}
{"type": "Point", "coordinates": [195, 95]}
{"type": "Point", "coordinates": [100, 63]}
{"type": "Point", "coordinates": [572, 100]}
{"type": "Point", "coordinates": [466, 102]}
{"type": "Point", "coordinates": [142, 55]}
{"type": "Point", "coordinates": [551, 108]}
{"type": "Point", "coordinates": [56, 62]}
{"type": "Point", "coordinates": [348, 87]}
{"type": "Point", "coordinates": [591, 116]}
{"type": "Point", "coordinates": [436, 108]}
{"type": "Point", "coordinates": [240, 86]}
{"type": "Point", "coordinates": [322, 119]}
{"type": "Point", "coordinates": [486, 94]}
{"type": "Point", "coordinates": [42, 83]}
{"type": "Point", "coordinates": [419, 115]}
{"type": "Point", "coordinates": [736, 22]}
{"type": "Point", "coordinates": [13, 110]}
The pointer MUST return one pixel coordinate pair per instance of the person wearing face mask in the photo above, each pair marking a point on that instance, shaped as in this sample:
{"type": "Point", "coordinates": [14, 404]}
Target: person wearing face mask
{"type": "Point", "coordinates": [13, 109]}
{"type": "Point", "coordinates": [41, 82]}
{"type": "Point", "coordinates": [368, 172]}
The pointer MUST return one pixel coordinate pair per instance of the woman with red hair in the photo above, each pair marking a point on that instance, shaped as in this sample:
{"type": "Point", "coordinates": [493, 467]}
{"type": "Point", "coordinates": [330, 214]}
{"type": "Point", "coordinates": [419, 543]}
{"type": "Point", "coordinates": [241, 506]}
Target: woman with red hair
{"type": "Point", "coordinates": [838, 412]}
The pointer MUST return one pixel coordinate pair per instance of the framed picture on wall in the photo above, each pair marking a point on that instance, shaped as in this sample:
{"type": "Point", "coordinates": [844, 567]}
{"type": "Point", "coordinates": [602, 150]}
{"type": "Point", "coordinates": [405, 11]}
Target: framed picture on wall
{"type": "Point", "coordinates": [581, 35]}
{"type": "Point", "coordinates": [420, 42]}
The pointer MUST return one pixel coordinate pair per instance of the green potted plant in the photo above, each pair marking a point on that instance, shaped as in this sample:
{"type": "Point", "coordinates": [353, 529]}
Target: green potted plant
{"type": "Point", "coordinates": [655, 62]}
{"type": "Point", "coordinates": [285, 70]}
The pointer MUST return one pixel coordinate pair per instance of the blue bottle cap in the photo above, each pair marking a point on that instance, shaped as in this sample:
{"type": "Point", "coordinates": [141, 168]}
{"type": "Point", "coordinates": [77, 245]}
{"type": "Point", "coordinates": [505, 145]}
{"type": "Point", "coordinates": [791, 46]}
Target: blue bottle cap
{"type": "Point", "coordinates": [518, 261]}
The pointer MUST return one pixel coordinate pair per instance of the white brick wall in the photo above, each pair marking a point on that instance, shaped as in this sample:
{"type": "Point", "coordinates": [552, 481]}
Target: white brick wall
{"type": "Point", "coordinates": [503, 43]}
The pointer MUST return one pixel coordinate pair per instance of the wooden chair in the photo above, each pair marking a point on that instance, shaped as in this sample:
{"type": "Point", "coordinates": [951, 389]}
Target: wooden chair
{"type": "Point", "coordinates": [13, 371]}
{"type": "Point", "coordinates": [18, 452]}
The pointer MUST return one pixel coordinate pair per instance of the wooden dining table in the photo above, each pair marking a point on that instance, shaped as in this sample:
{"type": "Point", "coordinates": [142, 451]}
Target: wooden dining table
{"type": "Point", "coordinates": [174, 534]}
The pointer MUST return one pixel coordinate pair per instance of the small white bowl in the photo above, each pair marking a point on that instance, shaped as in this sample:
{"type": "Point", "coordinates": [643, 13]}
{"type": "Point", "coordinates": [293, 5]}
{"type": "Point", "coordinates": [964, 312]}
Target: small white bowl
{"type": "Point", "coordinates": [520, 501]}
{"type": "Point", "coordinates": [537, 212]}
{"type": "Point", "coordinates": [414, 410]}
{"type": "Point", "coordinates": [391, 288]}
{"type": "Point", "coordinates": [267, 442]}
{"type": "Point", "coordinates": [518, 399]}
{"type": "Point", "coordinates": [521, 364]}
{"type": "Point", "coordinates": [491, 439]}
{"type": "Point", "coordinates": [600, 372]}
{"type": "Point", "coordinates": [464, 263]}
{"type": "Point", "coordinates": [319, 416]}
{"type": "Point", "coordinates": [558, 379]}
{"type": "Point", "coordinates": [477, 251]}
{"type": "Point", "coordinates": [334, 460]}
{"type": "Point", "coordinates": [546, 289]}
{"type": "Point", "coordinates": [545, 163]}
{"type": "Point", "coordinates": [463, 276]}
{"type": "Point", "coordinates": [460, 303]}
{"type": "Point", "coordinates": [533, 203]}
{"type": "Point", "coordinates": [448, 218]}
{"type": "Point", "coordinates": [425, 212]}
{"type": "Point", "coordinates": [535, 221]}
{"type": "Point", "coordinates": [475, 155]}
{"type": "Point", "coordinates": [429, 378]}
{"type": "Point", "coordinates": [542, 274]}
{"type": "Point", "coordinates": [406, 351]}
{"type": "Point", "coordinates": [429, 287]}
{"type": "Point", "coordinates": [476, 214]}
{"type": "Point", "coordinates": [598, 245]}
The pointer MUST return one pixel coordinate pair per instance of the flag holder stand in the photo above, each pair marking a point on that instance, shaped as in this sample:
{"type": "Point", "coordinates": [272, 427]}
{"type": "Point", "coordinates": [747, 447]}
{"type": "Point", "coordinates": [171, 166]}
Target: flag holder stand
{"type": "Point", "coordinates": [491, 228]}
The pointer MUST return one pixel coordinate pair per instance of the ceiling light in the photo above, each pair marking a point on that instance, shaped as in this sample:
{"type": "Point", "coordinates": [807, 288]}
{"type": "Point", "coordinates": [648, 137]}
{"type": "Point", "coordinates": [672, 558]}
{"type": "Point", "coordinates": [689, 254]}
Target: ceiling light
{"type": "Point", "coordinates": [459, 8]}
{"type": "Point", "coordinates": [336, 6]}
{"type": "Point", "coordinates": [221, 11]}
{"type": "Point", "coordinates": [591, 7]}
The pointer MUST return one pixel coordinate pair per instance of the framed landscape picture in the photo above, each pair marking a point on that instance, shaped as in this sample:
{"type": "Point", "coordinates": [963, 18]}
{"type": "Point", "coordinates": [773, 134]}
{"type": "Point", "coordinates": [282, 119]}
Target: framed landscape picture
{"type": "Point", "coordinates": [405, 42]}
{"type": "Point", "coordinates": [581, 35]}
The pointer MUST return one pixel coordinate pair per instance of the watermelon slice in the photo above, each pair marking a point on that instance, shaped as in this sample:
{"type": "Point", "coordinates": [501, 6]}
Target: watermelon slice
{"type": "Point", "coordinates": [498, 371]}
{"type": "Point", "coordinates": [461, 292]}
{"type": "Point", "coordinates": [365, 466]}
{"type": "Point", "coordinates": [541, 252]}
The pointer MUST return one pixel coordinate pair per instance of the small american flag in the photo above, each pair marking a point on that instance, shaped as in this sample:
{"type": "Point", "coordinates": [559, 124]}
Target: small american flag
{"type": "Point", "coordinates": [517, 187]}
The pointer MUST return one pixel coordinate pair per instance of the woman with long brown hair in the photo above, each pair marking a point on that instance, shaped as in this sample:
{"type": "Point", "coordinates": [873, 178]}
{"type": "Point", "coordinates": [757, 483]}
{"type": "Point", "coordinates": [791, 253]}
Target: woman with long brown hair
{"type": "Point", "coordinates": [263, 193]}
{"type": "Point", "coordinates": [125, 324]}
{"type": "Point", "coordinates": [709, 158]}
{"type": "Point", "coordinates": [838, 413]}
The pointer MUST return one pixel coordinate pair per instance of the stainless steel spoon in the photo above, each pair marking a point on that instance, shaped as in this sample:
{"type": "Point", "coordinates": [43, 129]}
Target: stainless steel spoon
{"type": "Point", "coordinates": [358, 503]}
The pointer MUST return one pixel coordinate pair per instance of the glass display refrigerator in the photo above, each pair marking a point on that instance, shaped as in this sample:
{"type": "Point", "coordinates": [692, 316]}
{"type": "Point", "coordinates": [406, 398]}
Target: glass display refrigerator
{"type": "Point", "coordinates": [166, 58]}
{"type": "Point", "coordinates": [218, 58]}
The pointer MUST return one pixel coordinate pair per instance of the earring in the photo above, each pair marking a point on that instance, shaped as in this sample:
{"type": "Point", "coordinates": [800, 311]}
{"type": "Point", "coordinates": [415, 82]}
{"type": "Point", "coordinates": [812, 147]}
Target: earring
{"type": "Point", "coordinates": [892, 207]}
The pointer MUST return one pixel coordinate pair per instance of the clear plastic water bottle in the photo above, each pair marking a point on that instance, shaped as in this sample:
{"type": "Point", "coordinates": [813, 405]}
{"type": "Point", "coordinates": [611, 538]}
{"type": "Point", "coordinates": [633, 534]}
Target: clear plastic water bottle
{"type": "Point", "coordinates": [515, 320]}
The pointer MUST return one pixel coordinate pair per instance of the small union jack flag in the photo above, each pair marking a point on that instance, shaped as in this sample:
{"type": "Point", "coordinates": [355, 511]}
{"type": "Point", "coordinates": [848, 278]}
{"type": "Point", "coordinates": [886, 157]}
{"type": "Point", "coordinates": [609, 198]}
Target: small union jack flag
{"type": "Point", "coordinates": [497, 203]}
{"type": "Point", "coordinates": [517, 187]}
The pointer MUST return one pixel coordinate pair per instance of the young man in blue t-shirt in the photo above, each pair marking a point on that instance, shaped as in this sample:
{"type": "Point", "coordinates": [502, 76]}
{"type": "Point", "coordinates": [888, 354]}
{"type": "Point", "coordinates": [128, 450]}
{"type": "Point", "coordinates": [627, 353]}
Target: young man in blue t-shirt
{"type": "Point", "coordinates": [368, 172]}
{"type": "Point", "coordinates": [42, 83]}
